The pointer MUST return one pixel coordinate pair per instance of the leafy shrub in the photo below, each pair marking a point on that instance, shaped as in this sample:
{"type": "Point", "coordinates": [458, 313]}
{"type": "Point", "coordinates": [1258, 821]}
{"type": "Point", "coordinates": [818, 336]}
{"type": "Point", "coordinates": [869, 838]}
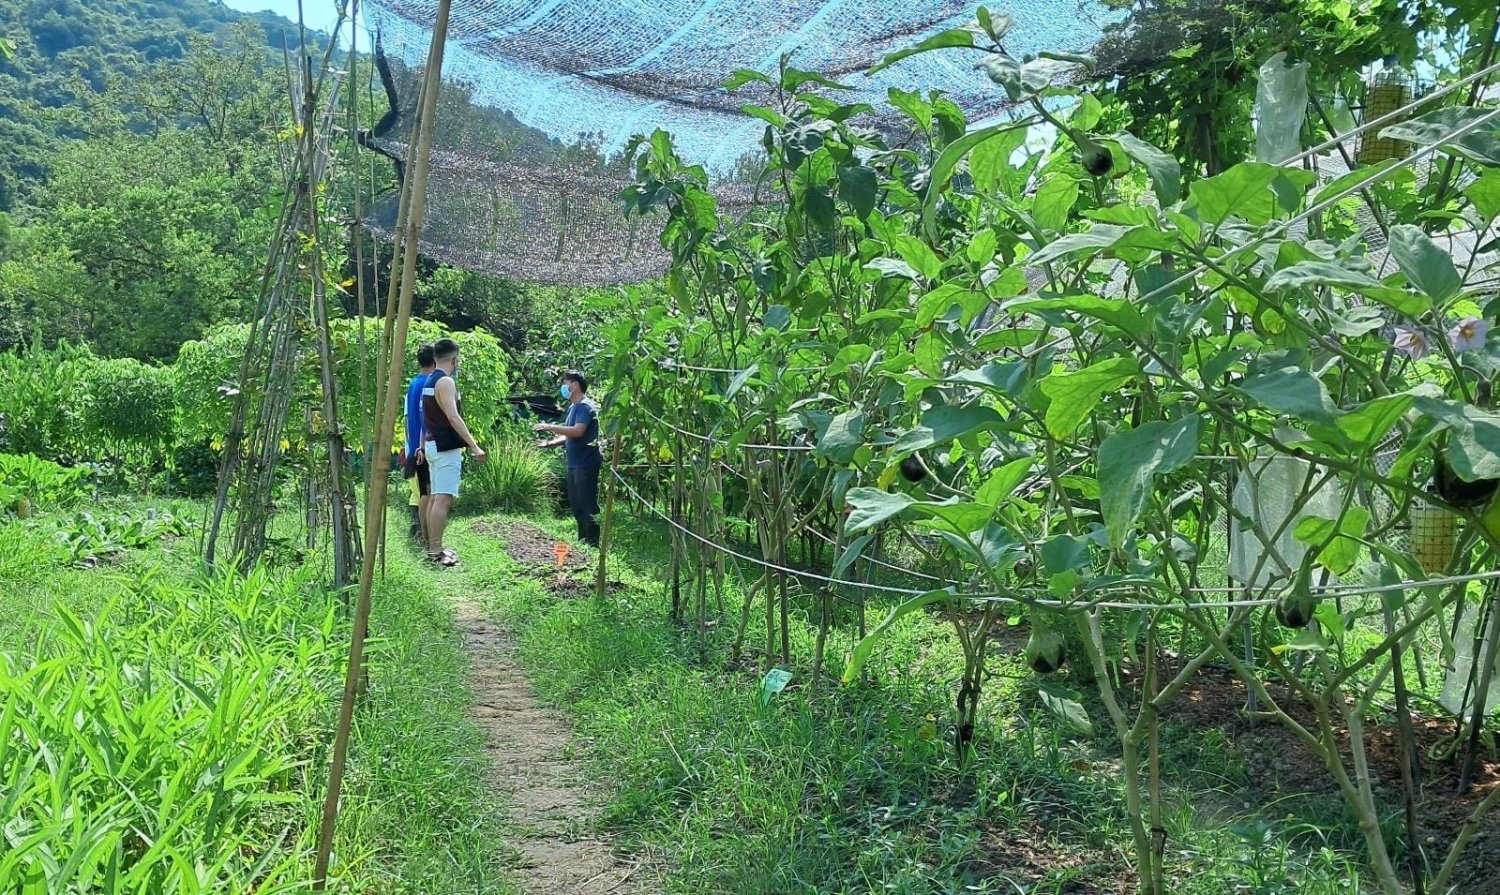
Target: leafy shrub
{"type": "Point", "coordinates": [90, 537]}
{"type": "Point", "coordinates": [41, 482]}
{"type": "Point", "coordinates": [127, 407]}
{"type": "Point", "coordinates": [515, 477]}
{"type": "Point", "coordinates": [40, 400]}
{"type": "Point", "coordinates": [180, 729]}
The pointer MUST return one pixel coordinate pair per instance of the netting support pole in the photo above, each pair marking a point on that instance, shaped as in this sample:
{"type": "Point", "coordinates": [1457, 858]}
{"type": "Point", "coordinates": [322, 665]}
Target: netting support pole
{"type": "Point", "coordinates": [380, 467]}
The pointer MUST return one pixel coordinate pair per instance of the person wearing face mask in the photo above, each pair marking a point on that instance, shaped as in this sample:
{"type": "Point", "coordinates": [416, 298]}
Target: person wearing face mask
{"type": "Point", "coordinates": [579, 437]}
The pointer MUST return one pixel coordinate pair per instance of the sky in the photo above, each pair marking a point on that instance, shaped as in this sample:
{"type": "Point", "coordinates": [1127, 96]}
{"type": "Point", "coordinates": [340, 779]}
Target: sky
{"type": "Point", "coordinates": [320, 14]}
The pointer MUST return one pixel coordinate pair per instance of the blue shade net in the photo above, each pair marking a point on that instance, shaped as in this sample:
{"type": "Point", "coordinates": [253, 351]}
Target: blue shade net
{"type": "Point", "coordinates": [541, 97]}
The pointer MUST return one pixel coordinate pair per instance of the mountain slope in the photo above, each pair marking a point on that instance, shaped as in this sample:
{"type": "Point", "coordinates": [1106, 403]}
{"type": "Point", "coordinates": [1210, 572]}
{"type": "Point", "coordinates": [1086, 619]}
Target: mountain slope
{"type": "Point", "coordinates": [67, 52]}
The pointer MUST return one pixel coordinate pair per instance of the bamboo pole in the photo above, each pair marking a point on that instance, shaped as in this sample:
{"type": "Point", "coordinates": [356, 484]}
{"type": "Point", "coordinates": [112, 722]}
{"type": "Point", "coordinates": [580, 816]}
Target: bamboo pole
{"type": "Point", "coordinates": [381, 466]}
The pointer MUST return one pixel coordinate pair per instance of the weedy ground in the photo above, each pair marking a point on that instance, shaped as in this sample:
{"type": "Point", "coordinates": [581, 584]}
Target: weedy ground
{"type": "Point", "coordinates": [845, 790]}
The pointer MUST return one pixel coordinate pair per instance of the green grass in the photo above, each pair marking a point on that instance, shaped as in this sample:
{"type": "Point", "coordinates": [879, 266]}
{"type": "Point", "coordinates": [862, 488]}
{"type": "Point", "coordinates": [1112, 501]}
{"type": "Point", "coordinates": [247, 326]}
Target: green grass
{"type": "Point", "coordinates": [207, 702]}
{"type": "Point", "coordinates": [844, 791]}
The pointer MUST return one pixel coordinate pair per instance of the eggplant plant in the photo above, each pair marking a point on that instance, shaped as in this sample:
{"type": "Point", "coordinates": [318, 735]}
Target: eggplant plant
{"type": "Point", "coordinates": [1065, 388]}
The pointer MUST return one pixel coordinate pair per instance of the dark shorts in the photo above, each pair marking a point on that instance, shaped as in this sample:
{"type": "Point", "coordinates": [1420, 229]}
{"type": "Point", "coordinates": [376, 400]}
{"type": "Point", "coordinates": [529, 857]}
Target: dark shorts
{"type": "Point", "coordinates": [423, 474]}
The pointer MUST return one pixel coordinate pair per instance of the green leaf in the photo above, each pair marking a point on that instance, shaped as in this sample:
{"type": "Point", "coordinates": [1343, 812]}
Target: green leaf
{"type": "Point", "coordinates": [1343, 546]}
{"type": "Point", "coordinates": [1166, 173]}
{"type": "Point", "coordinates": [982, 246]}
{"type": "Point", "coordinates": [937, 302]}
{"type": "Point", "coordinates": [862, 650]}
{"type": "Point", "coordinates": [778, 317]}
{"type": "Point", "coordinates": [1006, 379]}
{"type": "Point", "coordinates": [1099, 236]}
{"type": "Point", "coordinates": [744, 76]}
{"type": "Point", "coordinates": [918, 254]}
{"type": "Point", "coordinates": [912, 103]}
{"type": "Point", "coordinates": [1425, 264]}
{"type": "Point", "coordinates": [1354, 178]}
{"type": "Point", "coordinates": [941, 425]}
{"type": "Point", "coordinates": [1294, 392]}
{"type": "Point", "coordinates": [1473, 436]}
{"type": "Point", "coordinates": [793, 79]}
{"type": "Point", "coordinates": [1067, 706]}
{"type": "Point", "coordinates": [1481, 145]}
{"type": "Point", "coordinates": [1485, 194]}
{"type": "Point", "coordinates": [872, 506]}
{"type": "Point", "coordinates": [1327, 273]}
{"type": "Point", "coordinates": [1244, 191]}
{"type": "Point", "coordinates": [1368, 424]}
{"type": "Point", "coordinates": [947, 161]}
{"type": "Point", "coordinates": [859, 187]}
{"type": "Point", "coordinates": [1054, 199]}
{"type": "Point", "coordinates": [739, 381]}
{"type": "Point", "coordinates": [954, 37]}
{"type": "Point", "coordinates": [1306, 640]}
{"type": "Point", "coordinates": [1117, 312]}
{"type": "Point", "coordinates": [1004, 70]}
{"type": "Point", "coordinates": [1064, 553]}
{"type": "Point", "coordinates": [1003, 482]}
{"type": "Point", "coordinates": [1075, 395]}
{"type": "Point", "coordinates": [851, 554]}
{"type": "Point", "coordinates": [844, 436]}
{"type": "Point", "coordinates": [892, 267]}
{"type": "Point", "coordinates": [1129, 462]}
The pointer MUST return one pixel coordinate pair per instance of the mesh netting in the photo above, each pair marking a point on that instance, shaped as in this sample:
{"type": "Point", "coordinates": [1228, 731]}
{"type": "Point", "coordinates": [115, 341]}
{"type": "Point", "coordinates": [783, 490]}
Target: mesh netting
{"type": "Point", "coordinates": [541, 97]}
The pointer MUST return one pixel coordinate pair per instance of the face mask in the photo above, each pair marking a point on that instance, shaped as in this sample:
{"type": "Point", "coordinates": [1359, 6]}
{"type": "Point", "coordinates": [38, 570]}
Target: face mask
{"type": "Point", "coordinates": [564, 391]}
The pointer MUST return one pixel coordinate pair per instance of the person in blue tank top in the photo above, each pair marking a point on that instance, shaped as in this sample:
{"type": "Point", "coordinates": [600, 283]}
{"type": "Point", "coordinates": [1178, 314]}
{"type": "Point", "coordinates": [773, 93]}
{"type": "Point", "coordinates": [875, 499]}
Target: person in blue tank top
{"type": "Point", "coordinates": [579, 436]}
{"type": "Point", "coordinates": [413, 463]}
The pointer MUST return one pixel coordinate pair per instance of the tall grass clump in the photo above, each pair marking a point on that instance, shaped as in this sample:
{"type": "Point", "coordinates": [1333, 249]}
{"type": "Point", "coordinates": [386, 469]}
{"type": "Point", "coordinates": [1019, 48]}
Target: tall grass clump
{"type": "Point", "coordinates": [168, 745]}
{"type": "Point", "coordinates": [516, 477]}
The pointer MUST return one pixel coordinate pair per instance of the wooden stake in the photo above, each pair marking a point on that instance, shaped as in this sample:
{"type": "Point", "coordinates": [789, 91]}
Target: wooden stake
{"type": "Point", "coordinates": [379, 486]}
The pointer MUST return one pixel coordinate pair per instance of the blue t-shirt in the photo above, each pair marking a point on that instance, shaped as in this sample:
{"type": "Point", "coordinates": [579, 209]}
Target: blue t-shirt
{"type": "Point", "coordinates": [414, 414]}
{"type": "Point", "coordinates": [583, 452]}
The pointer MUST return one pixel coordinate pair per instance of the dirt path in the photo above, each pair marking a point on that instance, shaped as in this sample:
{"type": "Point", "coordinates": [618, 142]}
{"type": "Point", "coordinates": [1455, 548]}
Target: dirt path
{"type": "Point", "coordinates": [549, 804]}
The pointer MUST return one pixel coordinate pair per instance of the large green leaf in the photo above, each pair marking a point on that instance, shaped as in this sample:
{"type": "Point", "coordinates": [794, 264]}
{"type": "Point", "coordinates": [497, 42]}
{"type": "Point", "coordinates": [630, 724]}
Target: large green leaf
{"type": "Point", "coordinates": [1484, 192]}
{"type": "Point", "coordinates": [844, 436]}
{"type": "Point", "coordinates": [862, 650]}
{"type": "Point", "coordinates": [943, 424]}
{"type": "Point", "coordinates": [1066, 705]}
{"type": "Point", "coordinates": [852, 552]}
{"type": "Point", "coordinates": [871, 506]}
{"type": "Point", "coordinates": [1117, 312]}
{"type": "Point", "coordinates": [1341, 537]}
{"type": "Point", "coordinates": [1166, 173]}
{"type": "Point", "coordinates": [1473, 436]}
{"type": "Point", "coordinates": [1054, 199]}
{"type": "Point", "coordinates": [1128, 463]}
{"type": "Point", "coordinates": [1327, 273]}
{"type": "Point", "coordinates": [1294, 392]}
{"type": "Point", "coordinates": [1007, 379]}
{"type": "Point", "coordinates": [1367, 424]}
{"type": "Point", "coordinates": [1244, 191]}
{"type": "Point", "coordinates": [937, 302]}
{"type": "Point", "coordinates": [1425, 264]}
{"type": "Point", "coordinates": [1096, 238]}
{"type": "Point", "coordinates": [953, 37]}
{"type": "Point", "coordinates": [1354, 178]}
{"type": "Point", "coordinates": [1480, 145]}
{"type": "Point", "coordinates": [1003, 481]}
{"type": "Point", "coordinates": [947, 162]}
{"type": "Point", "coordinates": [859, 187]}
{"type": "Point", "coordinates": [918, 254]}
{"type": "Point", "coordinates": [1075, 395]}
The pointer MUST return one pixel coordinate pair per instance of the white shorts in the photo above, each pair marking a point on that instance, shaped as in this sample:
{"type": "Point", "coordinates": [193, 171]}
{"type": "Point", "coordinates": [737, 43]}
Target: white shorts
{"type": "Point", "coordinates": [443, 468]}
